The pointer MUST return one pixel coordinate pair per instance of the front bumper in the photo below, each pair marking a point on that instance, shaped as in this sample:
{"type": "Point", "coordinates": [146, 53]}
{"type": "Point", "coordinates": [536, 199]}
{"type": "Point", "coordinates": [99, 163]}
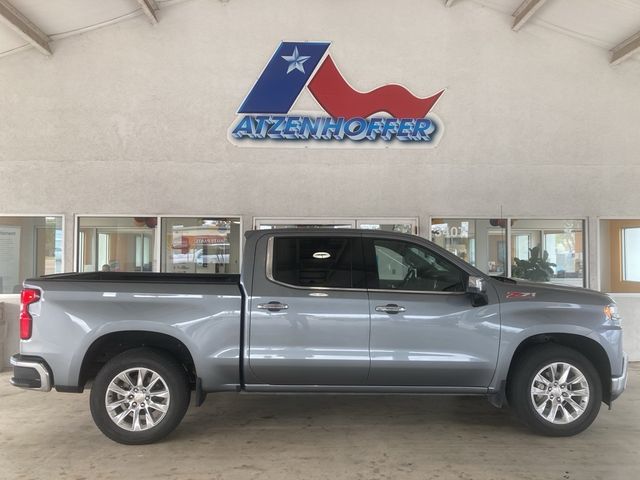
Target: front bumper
{"type": "Point", "coordinates": [618, 384]}
{"type": "Point", "coordinates": [30, 372]}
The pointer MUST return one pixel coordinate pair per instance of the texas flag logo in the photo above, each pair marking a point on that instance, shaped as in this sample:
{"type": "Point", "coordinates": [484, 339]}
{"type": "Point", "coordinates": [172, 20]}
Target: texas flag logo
{"type": "Point", "coordinates": [387, 114]}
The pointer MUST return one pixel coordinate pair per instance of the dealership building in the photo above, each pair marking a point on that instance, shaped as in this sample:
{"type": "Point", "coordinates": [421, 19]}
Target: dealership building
{"type": "Point", "coordinates": [150, 139]}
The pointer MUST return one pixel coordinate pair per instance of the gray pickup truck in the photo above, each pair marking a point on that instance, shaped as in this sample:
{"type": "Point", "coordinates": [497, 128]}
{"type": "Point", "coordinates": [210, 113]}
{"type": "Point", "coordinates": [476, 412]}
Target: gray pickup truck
{"type": "Point", "coordinates": [340, 311]}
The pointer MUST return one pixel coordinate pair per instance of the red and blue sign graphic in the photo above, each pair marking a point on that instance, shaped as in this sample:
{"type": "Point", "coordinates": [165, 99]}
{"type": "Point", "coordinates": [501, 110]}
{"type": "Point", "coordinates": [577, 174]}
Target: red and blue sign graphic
{"type": "Point", "coordinates": [388, 113]}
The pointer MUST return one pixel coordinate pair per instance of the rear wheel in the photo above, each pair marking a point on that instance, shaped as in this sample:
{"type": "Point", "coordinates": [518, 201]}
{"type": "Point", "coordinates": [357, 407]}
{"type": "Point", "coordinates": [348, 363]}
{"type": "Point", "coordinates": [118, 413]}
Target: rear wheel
{"type": "Point", "coordinates": [555, 390]}
{"type": "Point", "coordinates": [139, 396]}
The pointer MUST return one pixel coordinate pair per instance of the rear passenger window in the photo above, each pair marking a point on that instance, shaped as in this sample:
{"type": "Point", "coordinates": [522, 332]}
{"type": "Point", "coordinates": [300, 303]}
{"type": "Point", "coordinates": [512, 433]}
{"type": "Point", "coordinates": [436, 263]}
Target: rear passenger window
{"type": "Point", "coordinates": [316, 262]}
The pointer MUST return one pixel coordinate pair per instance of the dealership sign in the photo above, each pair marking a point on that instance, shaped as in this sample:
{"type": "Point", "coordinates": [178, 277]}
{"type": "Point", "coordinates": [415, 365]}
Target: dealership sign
{"type": "Point", "coordinates": [387, 115]}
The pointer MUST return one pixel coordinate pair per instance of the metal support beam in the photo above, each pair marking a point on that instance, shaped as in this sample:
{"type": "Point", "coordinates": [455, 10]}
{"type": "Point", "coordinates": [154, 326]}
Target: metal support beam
{"type": "Point", "coordinates": [524, 12]}
{"type": "Point", "coordinates": [150, 9]}
{"type": "Point", "coordinates": [448, 3]}
{"type": "Point", "coordinates": [23, 27]}
{"type": "Point", "coordinates": [624, 50]}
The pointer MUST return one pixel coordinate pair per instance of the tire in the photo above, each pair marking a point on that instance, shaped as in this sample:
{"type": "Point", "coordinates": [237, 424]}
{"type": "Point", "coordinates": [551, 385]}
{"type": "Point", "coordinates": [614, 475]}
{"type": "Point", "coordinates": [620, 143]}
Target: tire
{"type": "Point", "coordinates": [574, 412]}
{"type": "Point", "coordinates": [122, 385]}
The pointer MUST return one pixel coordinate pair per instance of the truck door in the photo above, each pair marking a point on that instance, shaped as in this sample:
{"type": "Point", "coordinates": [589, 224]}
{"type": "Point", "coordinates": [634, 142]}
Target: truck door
{"type": "Point", "coordinates": [309, 311]}
{"type": "Point", "coordinates": [424, 329]}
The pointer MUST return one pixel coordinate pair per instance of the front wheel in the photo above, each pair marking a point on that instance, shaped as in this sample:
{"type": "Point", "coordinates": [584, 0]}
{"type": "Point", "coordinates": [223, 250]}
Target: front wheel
{"type": "Point", "coordinates": [555, 390]}
{"type": "Point", "coordinates": [139, 397]}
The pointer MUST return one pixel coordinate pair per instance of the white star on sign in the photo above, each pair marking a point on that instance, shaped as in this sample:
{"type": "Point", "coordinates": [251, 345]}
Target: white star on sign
{"type": "Point", "coordinates": [295, 61]}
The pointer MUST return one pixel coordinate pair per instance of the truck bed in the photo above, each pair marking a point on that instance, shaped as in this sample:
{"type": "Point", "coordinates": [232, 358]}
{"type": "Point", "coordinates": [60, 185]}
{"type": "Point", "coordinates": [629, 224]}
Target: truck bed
{"type": "Point", "coordinates": [202, 312]}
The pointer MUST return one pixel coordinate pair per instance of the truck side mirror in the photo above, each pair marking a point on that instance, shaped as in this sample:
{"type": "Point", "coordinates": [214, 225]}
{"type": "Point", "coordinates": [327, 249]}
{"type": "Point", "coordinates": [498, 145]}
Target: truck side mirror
{"type": "Point", "coordinates": [477, 287]}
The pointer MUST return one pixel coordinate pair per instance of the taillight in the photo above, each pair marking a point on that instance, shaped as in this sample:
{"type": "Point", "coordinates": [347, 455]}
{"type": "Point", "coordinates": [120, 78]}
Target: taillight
{"type": "Point", "coordinates": [27, 297]}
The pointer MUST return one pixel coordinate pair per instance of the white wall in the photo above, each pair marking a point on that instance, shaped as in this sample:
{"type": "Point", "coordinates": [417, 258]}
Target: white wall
{"type": "Point", "coordinates": [133, 118]}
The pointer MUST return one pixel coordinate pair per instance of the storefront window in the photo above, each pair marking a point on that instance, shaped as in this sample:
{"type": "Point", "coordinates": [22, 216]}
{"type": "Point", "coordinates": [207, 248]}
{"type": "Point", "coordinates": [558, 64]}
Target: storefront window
{"type": "Point", "coordinates": [29, 247]}
{"type": "Point", "coordinates": [548, 250]}
{"type": "Point", "coordinates": [404, 225]}
{"type": "Point", "coordinates": [118, 244]}
{"type": "Point", "coordinates": [631, 254]}
{"type": "Point", "coordinates": [481, 242]}
{"type": "Point", "coordinates": [400, 226]}
{"type": "Point", "coordinates": [201, 245]}
{"type": "Point", "coordinates": [620, 256]}
{"type": "Point", "coordinates": [272, 225]}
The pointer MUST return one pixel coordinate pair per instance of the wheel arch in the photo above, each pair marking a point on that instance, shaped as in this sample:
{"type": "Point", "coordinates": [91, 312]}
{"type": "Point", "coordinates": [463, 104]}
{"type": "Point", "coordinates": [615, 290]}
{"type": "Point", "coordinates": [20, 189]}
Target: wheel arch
{"type": "Point", "coordinates": [111, 344]}
{"type": "Point", "coordinates": [591, 349]}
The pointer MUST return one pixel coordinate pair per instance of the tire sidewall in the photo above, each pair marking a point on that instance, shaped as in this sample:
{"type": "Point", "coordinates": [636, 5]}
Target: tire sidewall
{"type": "Point", "coordinates": [527, 370]}
{"type": "Point", "coordinates": [175, 379]}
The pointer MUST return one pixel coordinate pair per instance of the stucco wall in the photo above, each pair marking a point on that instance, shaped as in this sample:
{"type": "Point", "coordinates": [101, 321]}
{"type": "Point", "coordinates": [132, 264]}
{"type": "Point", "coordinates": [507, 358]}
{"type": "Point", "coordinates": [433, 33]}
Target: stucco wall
{"type": "Point", "coordinates": [133, 117]}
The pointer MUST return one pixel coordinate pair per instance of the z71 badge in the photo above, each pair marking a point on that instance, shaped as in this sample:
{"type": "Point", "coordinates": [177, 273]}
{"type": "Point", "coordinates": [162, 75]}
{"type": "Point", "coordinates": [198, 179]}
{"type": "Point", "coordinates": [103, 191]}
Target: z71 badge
{"type": "Point", "coordinates": [516, 295]}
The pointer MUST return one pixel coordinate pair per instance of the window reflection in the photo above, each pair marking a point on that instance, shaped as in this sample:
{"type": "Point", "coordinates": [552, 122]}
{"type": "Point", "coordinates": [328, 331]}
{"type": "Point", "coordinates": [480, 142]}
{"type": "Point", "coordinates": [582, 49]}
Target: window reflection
{"type": "Point", "coordinates": [408, 227]}
{"type": "Point", "coordinates": [201, 245]}
{"type": "Point", "coordinates": [119, 244]}
{"type": "Point", "coordinates": [406, 266]}
{"type": "Point", "coordinates": [548, 250]}
{"type": "Point", "coordinates": [29, 247]}
{"type": "Point", "coordinates": [401, 225]}
{"type": "Point", "coordinates": [540, 250]}
{"type": "Point", "coordinates": [481, 242]}
{"type": "Point", "coordinates": [274, 225]}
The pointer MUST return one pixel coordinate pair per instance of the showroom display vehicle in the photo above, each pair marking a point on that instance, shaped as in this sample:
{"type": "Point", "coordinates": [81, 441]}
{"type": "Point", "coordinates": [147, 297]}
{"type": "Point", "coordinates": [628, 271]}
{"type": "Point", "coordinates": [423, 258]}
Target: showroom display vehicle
{"type": "Point", "coordinates": [320, 310]}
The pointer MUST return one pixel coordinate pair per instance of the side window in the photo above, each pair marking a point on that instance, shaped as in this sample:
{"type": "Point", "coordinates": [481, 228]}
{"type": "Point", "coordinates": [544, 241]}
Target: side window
{"type": "Point", "coordinates": [406, 266]}
{"type": "Point", "coordinates": [391, 267]}
{"type": "Point", "coordinates": [316, 262]}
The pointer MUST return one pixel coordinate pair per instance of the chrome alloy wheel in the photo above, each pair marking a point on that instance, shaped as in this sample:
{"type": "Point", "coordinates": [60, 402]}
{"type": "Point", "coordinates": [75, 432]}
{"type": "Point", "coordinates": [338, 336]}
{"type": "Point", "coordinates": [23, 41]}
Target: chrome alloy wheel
{"type": "Point", "coordinates": [560, 393]}
{"type": "Point", "coordinates": [137, 399]}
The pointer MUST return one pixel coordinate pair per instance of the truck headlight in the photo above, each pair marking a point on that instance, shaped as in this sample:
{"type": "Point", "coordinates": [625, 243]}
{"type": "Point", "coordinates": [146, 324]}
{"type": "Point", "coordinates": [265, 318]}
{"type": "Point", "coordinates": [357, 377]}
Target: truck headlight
{"type": "Point", "coordinates": [611, 312]}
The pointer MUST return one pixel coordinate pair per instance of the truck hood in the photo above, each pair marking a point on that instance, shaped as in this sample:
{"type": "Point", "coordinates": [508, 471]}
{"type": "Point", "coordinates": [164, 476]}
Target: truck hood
{"type": "Point", "coordinates": [517, 289]}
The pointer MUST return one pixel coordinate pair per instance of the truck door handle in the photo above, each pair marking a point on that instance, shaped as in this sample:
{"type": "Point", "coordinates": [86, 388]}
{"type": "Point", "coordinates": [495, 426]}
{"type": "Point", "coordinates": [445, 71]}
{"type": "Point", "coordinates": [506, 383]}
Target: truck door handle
{"type": "Point", "coordinates": [273, 306]}
{"type": "Point", "coordinates": [390, 308]}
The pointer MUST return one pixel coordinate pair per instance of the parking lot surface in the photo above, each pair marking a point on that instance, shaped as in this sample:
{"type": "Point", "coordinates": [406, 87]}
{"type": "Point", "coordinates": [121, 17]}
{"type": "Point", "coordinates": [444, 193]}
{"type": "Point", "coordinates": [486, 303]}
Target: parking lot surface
{"type": "Point", "coordinates": [316, 437]}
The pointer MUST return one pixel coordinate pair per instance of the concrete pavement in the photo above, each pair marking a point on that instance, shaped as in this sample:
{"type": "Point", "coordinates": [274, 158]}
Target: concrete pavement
{"type": "Point", "coordinates": [312, 437]}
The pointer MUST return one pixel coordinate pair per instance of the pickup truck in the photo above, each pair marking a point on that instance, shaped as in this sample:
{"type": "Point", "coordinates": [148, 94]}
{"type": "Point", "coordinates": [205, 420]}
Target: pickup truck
{"type": "Point", "coordinates": [323, 310]}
